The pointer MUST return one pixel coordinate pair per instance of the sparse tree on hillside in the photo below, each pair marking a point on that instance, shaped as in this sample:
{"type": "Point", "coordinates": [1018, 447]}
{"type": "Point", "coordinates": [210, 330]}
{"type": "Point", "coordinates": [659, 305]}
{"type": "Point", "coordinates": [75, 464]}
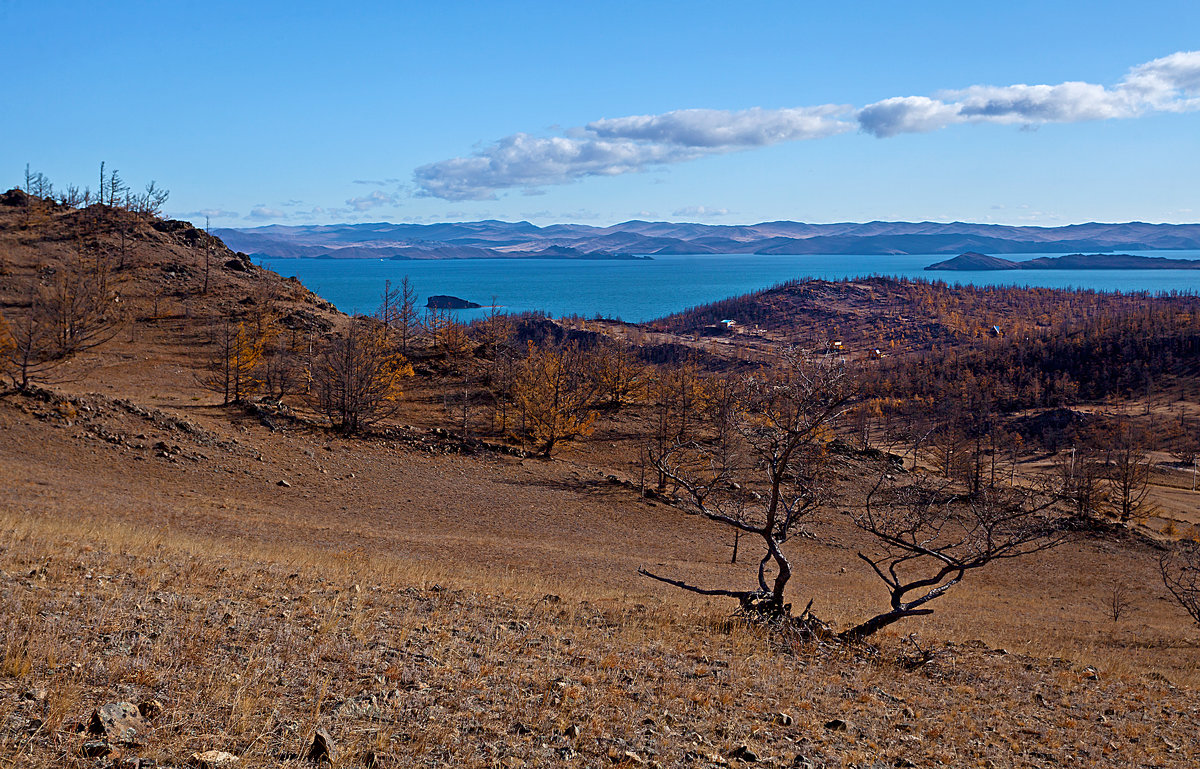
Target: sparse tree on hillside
{"type": "Point", "coordinates": [80, 307]}
{"type": "Point", "coordinates": [930, 538]}
{"type": "Point", "coordinates": [782, 421]}
{"type": "Point", "coordinates": [37, 184]}
{"type": "Point", "coordinates": [356, 376]}
{"type": "Point", "coordinates": [1128, 475]}
{"type": "Point", "coordinates": [407, 320]}
{"type": "Point", "coordinates": [1180, 569]}
{"type": "Point", "coordinates": [283, 364]}
{"type": "Point", "coordinates": [8, 347]}
{"type": "Point", "coordinates": [677, 394]}
{"type": "Point", "coordinates": [388, 308]}
{"type": "Point", "coordinates": [31, 352]}
{"type": "Point", "coordinates": [73, 313]}
{"type": "Point", "coordinates": [554, 394]}
{"type": "Point", "coordinates": [1081, 480]}
{"type": "Point", "coordinates": [493, 334]}
{"type": "Point", "coordinates": [233, 369]}
{"type": "Point", "coordinates": [619, 375]}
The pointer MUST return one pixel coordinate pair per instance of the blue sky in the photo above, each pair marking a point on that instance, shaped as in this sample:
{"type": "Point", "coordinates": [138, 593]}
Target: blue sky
{"type": "Point", "coordinates": [601, 112]}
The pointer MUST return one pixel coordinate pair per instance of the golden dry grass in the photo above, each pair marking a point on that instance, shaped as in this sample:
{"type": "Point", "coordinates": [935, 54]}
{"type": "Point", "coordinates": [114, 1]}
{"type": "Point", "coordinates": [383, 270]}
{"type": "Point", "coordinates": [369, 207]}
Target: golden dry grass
{"type": "Point", "coordinates": [251, 649]}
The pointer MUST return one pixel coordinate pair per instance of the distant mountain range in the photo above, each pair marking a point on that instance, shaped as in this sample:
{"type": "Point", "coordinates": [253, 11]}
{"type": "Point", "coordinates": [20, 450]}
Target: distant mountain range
{"type": "Point", "coordinates": [496, 239]}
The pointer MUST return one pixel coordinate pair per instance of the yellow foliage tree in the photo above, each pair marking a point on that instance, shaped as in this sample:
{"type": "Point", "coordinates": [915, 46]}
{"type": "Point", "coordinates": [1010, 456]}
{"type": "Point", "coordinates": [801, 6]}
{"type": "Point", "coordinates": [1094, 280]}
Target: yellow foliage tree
{"type": "Point", "coordinates": [620, 376]}
{"type": "Point", "coordinates": [554, 394]}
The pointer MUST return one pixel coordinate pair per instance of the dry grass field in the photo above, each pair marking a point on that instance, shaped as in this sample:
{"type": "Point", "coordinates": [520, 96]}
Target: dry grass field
{"type": "Point", "coordinates": [247, 585]}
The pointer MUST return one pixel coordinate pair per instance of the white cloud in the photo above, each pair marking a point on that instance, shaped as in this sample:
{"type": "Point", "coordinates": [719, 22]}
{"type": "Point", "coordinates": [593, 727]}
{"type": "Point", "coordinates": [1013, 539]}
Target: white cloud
{"type": "Point", "coordinates": [721, 130]}
{"type": "Point", "coordinates": [262, 213]}
{"type": "Point", "coordinates": [528, 161]}
{"type": "Point", "coordinates": [905, 114]}
{"type": "Point", "coordinates": [371, 201]}
{"type": "Point", "coordinates": [1169, 84]}
{"type": "Point", "coordinates": [613, 146]}
{"type": "Point", "coordinates": [211, 213]}
{"type": "Point", "coordinates": [619, 146]}
{"type": "Point", "coordinates": [700, 212]}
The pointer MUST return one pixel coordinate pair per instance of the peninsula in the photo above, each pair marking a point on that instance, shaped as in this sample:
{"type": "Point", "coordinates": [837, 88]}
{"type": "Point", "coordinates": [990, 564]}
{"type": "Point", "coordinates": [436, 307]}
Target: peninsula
{"type": "Point", "coordinates": [976, 262]}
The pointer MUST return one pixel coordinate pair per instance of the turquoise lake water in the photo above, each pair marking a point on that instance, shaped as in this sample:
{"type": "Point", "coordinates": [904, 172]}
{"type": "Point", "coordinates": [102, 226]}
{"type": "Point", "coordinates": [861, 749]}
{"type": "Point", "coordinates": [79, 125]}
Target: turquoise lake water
{"type": "Point", "coordinates": [641, 290]}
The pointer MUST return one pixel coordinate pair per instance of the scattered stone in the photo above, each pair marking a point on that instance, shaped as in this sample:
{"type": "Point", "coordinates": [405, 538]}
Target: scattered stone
{"type": "Point", "coordinates": [744, 753]}
{"type": "Point", "coordinates": [120, 722]}
{"type": "Point", "coordinates": [212, 759]}
{"type": "Point", "coordinates": [837, 725]}
{"type": "Point", "coordinates": [95, 749]}
{"type": "Point", "coordinates": [151, 710]}
{"type": "Point", "coordinates": [322, 748]}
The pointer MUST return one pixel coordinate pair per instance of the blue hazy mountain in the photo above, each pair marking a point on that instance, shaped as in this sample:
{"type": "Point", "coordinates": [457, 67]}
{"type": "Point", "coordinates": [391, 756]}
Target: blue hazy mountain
{"type": "Point", "coordinates": [497, 239]}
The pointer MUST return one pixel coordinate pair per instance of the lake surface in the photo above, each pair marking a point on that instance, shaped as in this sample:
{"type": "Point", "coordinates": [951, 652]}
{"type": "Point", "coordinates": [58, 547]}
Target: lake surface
{"type": "Point", "coordinates": [641, 290]}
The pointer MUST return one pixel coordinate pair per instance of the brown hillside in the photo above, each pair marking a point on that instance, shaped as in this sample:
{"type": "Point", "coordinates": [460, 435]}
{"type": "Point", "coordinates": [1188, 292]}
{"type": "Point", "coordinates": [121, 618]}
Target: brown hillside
{"type": "Point", "coordinates": [261, 577]}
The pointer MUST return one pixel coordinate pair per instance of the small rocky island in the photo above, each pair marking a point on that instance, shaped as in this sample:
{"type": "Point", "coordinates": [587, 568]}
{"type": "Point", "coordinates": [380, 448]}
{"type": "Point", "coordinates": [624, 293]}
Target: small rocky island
{"type": "Point", "coordinates": [976, 262]}
{"type": "Point", "coordinates": [444, 302]}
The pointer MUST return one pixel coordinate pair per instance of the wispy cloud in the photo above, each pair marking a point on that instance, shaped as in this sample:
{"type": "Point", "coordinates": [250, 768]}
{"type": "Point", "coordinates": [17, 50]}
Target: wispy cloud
{"type": "Point", "coordinates": [1169, 84]}
{"type": "Point", "coordinates": [723, 131]}
{"type": "Point", "coordinates": [211, 213]}
{"type": "Point", "coordinates": [614, 146]}
{"type": "Point", "coordinates": [262, 213]}
{"type": "Point", "coordinates": [375, 199]}
{"type": "Point", "coordinates": [700, 212]}
{"type": "Point", "coordinates": [617, 146]}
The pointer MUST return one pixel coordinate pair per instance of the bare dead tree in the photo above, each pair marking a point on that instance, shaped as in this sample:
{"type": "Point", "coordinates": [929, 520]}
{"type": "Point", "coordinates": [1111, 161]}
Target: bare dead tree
{"type": "Point", "coordinates": [1119, 599]}
{"type": "Point", "coordinates": [28, 349]}
{"type": "Point", "coordinates": [1128, 475]}
{"type": "Point", "coordinates": [1081, 480]}
{"type": "Point", "coordinates": [782, 422]}
{"type": "Point", "coordinates": [1180, 570]}
{"type": "Point", "coordinates": [356, 376]}
{"type": "Point", "coordinates": [72, 313]}
{"type": "Point", "coordinates": [407, 320]}
{"type": "Point", "coordinates": [930, 538]}
{"type": "Point", "coordinates": [282, 366]}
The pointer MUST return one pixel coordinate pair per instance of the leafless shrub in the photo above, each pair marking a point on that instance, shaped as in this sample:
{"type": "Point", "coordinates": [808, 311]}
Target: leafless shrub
{"type": "Point", "coordinates": [1180, 570]}
{"type": "Point", "coordinates": [930, 538]}
{"type": "Point", "coordinates": [1119, 600]}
